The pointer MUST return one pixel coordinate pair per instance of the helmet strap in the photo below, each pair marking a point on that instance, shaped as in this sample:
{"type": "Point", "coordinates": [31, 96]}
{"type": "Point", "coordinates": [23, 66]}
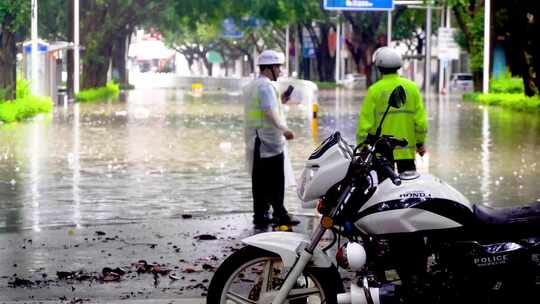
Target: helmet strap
{"type": "Point", "coordinates": [273, 74]}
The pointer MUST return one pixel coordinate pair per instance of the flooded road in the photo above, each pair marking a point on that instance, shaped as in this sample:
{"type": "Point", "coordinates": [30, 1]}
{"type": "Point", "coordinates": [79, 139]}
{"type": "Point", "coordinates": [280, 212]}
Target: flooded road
{"type": "Point", "coordinates": [161, 153]}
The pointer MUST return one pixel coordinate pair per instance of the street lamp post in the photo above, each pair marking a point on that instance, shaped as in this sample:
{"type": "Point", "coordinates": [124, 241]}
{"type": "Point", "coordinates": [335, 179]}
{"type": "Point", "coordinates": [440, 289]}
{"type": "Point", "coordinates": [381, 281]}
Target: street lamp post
{"type": "Point", "coordinates": [428, 50]}
{"type": "Point", "coordinates": [389, 31]}
{"type": "Point", "coordinates": [76, 58]}
{"type": "Point", "coordinates": [338, 48]}
{"type": "Point", "coordinates": [487, 15]}
{"type": "Point", "coordinates": [34, 51]}
{"type": "Point", "coordinates": [287, 57]}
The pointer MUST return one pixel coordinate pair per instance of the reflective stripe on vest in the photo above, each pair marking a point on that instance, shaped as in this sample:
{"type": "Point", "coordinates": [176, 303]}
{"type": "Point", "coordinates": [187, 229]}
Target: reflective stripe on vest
{"type": "Point", "coordinates": [255, 117]}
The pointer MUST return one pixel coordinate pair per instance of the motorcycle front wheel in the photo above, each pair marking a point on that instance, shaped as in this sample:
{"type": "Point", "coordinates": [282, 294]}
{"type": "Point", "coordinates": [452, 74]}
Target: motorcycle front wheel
{"type": "Point", "coordinates": [253, 275]}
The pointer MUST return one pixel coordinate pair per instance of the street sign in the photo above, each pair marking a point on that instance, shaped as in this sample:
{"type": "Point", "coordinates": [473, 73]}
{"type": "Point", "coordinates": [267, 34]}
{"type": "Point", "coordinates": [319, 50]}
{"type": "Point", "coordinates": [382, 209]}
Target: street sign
{"type": "Point", "coordinates": [448, 49]}
{"type": "Point", "coordinates": [359, 5]}
{"type": "Point", "coordinates": [230, 30]}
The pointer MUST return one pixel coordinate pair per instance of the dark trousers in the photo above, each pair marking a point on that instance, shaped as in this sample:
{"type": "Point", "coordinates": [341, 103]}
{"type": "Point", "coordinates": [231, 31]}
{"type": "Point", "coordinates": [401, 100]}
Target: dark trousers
{"type": "Point", "coordinates": [268, 184]}
{"type": "Point", "coordinates": [405, 165]}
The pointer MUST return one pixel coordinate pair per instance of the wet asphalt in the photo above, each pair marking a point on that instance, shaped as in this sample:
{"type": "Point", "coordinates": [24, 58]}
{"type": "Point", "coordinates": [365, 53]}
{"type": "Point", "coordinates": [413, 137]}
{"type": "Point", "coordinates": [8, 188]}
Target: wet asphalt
{"type": "Point", "coordinates": [151, 261]}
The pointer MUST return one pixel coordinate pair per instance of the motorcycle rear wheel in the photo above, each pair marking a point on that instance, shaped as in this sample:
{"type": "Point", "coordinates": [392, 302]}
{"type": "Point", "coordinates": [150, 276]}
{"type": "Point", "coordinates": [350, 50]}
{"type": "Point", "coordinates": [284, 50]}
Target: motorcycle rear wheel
{"type": "Point", "coordinates": [251, 273]}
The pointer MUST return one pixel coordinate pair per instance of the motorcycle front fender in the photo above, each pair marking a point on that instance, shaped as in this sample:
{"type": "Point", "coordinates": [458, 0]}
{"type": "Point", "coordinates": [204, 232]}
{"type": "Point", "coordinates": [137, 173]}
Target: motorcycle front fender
{"type": "Point", "coordinates": [286, 245]}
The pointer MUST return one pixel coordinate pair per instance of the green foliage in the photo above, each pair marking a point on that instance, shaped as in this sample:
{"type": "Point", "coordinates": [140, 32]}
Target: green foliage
{"type": "Point", "coordinates": [25, 105]}
{"type": "Point", "coordinates": [52, 18]}
{"type": "Point", "coordinates": [3, 93]}
{"type": "Point", "coordinates": [470, 16]}
{"type": "Point", "coordinates": [407, 24]}
{"type": "Point", "coordinates": [506, 84]}
{"type": "Point", "coordinates": [111, 90]}
{"type": "Point", "coordinates": [23, 89]}
{"type": "Point", "coordinates": [14, 15]}
{"type": "Point", "coordinates": [326, 85]}
{"type": "Point", "coordinates": [518, 102]}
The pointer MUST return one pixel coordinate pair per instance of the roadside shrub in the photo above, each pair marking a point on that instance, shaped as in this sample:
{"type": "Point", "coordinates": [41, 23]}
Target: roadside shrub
{"type": "Point", "coordinates": [324, 85]}
{"type": "Point", "coordinates": [23, 89]}
{"type": "Point", "coordinates": [518, 102]}
{"type": "Point", "coordinates": [506, 84]}
{"type": "Point", "coordinates": [22, 108]}
{"type": "Point", "coordinates": [111, 90]}
{"type": "Point", "coordinates": [25, 105]}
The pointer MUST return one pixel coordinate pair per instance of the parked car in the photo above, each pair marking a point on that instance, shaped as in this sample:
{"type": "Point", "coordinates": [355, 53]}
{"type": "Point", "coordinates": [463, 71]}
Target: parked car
{"type": "Point", "coordinates": [462, 82]}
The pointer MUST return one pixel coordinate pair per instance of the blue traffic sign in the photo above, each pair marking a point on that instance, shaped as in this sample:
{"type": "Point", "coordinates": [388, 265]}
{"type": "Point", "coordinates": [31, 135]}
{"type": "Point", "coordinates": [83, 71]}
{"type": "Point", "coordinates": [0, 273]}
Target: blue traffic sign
{"type": "Point", "coordinates": [230, 30]}
{"type": "Point", "coordinates": [359, 5]}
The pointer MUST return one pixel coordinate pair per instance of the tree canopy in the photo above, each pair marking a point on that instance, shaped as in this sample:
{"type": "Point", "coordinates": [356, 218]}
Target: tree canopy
{"type": "Point", "coordinates": [195, 27]}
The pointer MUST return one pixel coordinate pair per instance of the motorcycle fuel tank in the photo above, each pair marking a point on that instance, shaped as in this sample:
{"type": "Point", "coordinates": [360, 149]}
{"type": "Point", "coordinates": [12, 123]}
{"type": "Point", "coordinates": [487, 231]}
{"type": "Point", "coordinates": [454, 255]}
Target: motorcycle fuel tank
{"type": "Point", "coordinates": [421, 203]}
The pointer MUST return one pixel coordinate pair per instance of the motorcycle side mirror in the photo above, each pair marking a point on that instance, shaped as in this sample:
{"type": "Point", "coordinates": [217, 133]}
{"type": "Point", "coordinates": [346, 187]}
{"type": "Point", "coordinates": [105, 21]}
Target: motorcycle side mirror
{"type": "Point", "coordinates": [396, 100]}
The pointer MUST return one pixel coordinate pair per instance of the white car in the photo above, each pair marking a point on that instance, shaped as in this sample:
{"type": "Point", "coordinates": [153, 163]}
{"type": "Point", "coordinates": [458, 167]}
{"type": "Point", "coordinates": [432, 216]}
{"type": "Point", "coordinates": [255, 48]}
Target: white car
{"type": "Point", "coordinates": [462, 82]}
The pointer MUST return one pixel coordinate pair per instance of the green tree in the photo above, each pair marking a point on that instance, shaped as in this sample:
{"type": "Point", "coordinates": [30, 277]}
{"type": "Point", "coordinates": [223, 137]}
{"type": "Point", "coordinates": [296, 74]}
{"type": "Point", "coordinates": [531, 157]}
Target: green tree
{"type": "Point", "coordinates": [470, 19]}
{"type": "Point", "coordinates": [14, 17]}
{"type": "Point", "coordinates": [517, 27]}
{"type": "Point", "coordinates": [192, 42]}
{"type": "Point", "coordinates": [102, 24]}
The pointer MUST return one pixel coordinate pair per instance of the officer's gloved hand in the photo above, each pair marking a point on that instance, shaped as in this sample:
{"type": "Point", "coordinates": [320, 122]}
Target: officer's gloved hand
{"type": "Point", "coordinates": [421, 149]}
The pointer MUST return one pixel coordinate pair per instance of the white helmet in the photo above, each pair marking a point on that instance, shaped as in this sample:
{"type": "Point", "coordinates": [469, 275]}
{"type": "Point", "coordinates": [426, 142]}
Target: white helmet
{"type": "Point", "coordinates": [270, 57]}
{"type": "Point", "coordinates": [386, 57]}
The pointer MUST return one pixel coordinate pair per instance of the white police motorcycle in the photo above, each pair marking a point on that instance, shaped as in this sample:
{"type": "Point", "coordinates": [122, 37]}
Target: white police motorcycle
{"type": "Point", "coordinates": [410, 238]}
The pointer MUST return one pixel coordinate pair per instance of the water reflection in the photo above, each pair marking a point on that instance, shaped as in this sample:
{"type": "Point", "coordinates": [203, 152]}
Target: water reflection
{"type": "Point", "coordinates": [35, 154]}
{"type": "Point", "coordinates": [74, 162]}
{"type": "Point", "coordinates": [163, 152]}
{"type": "Point", "coordinates": [486, 142]}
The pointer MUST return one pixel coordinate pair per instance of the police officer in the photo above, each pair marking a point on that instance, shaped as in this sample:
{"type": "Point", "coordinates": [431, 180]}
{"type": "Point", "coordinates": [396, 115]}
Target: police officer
{"type": "Point", "coordinates": [409, 122]}
{"type": "Point", "coordinates": [265, 134]}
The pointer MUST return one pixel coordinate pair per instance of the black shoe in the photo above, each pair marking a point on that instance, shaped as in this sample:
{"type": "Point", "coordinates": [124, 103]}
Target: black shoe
{"type": "Point", "coordinates": [262, 221]}
{"type": "Point", "coordinates": [286, 220]}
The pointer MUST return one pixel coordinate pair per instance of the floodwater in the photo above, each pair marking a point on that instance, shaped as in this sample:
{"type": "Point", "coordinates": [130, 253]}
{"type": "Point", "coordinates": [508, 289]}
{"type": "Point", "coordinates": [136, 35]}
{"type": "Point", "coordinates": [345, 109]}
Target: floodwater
{"type": "Point", "coordinates": [161, 153]}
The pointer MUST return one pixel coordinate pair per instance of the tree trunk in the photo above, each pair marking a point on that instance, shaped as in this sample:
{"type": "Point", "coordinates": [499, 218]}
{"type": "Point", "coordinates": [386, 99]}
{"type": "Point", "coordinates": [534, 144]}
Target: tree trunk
{"type": "Point", "coordinates": [365, 40]}
{"type": "Point", "coordinates": [119, 53]}
{"type": "Point", "coordinates": [8, 61]}
{"type": "Point", "coordinates": [478, 77]}
{"type": "Point", "coordinates": [96, 67]}
{"type": "Point", "coordinates": [368, 68]}
{"type": "Point", "coordinates": [208, 65]}
{"type": "Point", "coordinates": [519, 40]}
{"type": "Point", "coordinates": [300, 53]}
{"type": "Point", "coordinates": [535, 47]}
{"type": "Point", "coordinates": [326, 64]}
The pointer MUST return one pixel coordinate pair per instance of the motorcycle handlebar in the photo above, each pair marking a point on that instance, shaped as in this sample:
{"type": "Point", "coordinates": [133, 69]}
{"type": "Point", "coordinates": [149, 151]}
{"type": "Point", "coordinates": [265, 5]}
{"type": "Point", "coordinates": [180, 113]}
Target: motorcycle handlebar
{"type": "Point", "coordinates": [395, 142]}
{"type": "Point", "coordinates": [399, 142]}
{"type": "Point", "coordinates": [394, 177]}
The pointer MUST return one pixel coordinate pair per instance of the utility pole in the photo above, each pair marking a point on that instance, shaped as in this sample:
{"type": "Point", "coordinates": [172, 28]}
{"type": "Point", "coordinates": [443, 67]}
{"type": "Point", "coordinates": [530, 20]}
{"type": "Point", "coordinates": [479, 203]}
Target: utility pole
{"type": "Point", "coordinates": [76, 59]}
{"type": "Point", "coordinates": [34, 52]}
{"type": "Point", "coordinates": [428, 51]}
{"type": "Point", "coordinates": [297, 51]}
{"type": "Point", "coordinates": [338, 47]}
{"type": "Point", "coordinates": [389, 32]}
{"type": "Point", "coordinates": [487, 36]}
{"type": "Point", "coordinates": [287, 57]}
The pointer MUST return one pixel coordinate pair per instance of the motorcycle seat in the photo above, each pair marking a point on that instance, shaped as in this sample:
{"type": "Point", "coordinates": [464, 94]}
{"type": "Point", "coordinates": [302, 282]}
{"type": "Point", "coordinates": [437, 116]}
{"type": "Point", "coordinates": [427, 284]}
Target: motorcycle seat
{"type": "Point", "coordinates": [511, 219]}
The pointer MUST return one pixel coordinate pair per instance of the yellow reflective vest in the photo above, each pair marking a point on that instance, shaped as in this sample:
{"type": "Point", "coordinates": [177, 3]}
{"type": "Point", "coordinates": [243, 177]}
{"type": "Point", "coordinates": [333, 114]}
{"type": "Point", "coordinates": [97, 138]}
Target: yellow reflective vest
{"type": "Point", "coordinates": [257, 124]}
{"type": "Point", "coordinates": [409, 122]}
